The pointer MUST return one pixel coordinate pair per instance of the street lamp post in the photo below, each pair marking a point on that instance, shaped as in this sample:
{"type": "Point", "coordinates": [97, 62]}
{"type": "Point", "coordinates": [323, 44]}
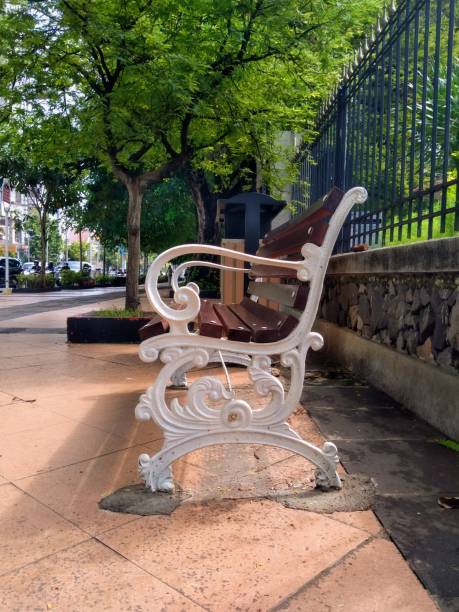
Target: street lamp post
{"type": "Point", "coordinates": [6, 208]}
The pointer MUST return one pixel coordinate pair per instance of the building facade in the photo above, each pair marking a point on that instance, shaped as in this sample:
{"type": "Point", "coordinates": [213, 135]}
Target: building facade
{"type": "Point", "coordinates": [18, 206]}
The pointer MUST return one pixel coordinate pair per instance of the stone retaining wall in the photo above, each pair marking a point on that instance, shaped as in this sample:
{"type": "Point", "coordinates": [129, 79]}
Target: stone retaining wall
{"type": "Point", "coordinates": [417, 314]}
{"type": "Point", "coordinates": [404, 297]}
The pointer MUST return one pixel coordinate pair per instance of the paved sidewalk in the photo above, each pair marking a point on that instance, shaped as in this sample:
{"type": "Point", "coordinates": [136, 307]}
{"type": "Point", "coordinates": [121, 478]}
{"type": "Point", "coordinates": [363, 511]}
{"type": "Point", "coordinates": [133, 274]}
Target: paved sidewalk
{"type": "Point", "coordinates": [68, 437]}
{"type": "Point", "coordinates": [23, 304]}
{"type": "Point", "coordinates": [412, 470]}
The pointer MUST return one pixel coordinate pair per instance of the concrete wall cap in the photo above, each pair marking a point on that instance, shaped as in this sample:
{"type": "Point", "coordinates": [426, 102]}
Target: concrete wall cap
{"type": "Point", "coordinates": [429, 256]}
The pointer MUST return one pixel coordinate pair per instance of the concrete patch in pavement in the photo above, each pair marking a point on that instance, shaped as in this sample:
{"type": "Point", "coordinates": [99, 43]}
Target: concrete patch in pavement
{"type": "Point", "coordinates": [138, 499]}
{"type": "Point", "coordinates": [357, 494]}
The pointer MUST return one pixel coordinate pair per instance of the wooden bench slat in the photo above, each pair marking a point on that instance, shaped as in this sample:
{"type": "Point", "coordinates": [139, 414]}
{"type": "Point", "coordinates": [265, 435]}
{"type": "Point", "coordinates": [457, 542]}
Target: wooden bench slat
{"type": "Point", "coordinates": [233, 326]}
{"type": "Point", "coordinates": [283, 322]}
{"type": "Point", "coordinates": [291, 311]}
{"type": "Point", "coordinates": [260, 331]}
{"type": "Point", "coordinates": [290, 295]}
{"type": "Point", "coordinates": [266, 325]}
{"type": "Point", "coordinates": [311, 226]}
{"type": "Point", "coordinates": [209, 323]}
{"type": "Point", "coordinates": [271, 272]}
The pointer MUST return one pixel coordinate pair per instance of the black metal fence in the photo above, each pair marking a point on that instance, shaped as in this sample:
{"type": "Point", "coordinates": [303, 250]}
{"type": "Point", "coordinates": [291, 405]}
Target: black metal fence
{"type": "Point", "coordinates": [393, 127]}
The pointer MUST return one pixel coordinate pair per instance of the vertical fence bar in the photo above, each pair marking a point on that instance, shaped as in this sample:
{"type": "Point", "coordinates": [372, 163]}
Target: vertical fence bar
{"type": "Point", "coordinates": [425, 76]}
{"type": "Point", "coordinates": [387, 146]}
{"type": "Point", "coordinates": [433, 145]}
{"type": "Point", "coordinates": [381, 103]}
{"type": "Point", "coordinates": [404, 118]}
{"type": "Point", "coordinates": [446, 141]}
{"type": "Point", "coordinates": [395, 159]}
{"type": "Point", "coordinates": [414, 102]}
{"type": "Point", "coordinates": [340, 155]}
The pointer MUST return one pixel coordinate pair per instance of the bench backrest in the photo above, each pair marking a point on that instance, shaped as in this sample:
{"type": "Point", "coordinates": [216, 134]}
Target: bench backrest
{"type": "Point", "coordinates": [286, 242]}
{"type": "Point", "coordinates": [312, 234]}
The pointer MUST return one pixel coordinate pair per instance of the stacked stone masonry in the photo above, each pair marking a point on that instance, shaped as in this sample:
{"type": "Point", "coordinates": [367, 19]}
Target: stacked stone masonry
{"type": "Point", "coordinates": [416, 314]}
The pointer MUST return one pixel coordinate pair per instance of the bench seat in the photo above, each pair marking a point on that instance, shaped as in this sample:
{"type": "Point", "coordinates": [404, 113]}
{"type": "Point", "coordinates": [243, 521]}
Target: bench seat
{"type": "Point", "coordinates": [274, 320]}
{"type": "Point", "coordinates": [244, 322]}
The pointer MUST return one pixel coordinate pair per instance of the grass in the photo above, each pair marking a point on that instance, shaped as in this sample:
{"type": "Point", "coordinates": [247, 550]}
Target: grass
{"type": "Point", "coordinates": [452, 444]}
{"type": "Point", "coordinates": [119, 312]}
{"type": "Point", "coordinates": [402, 236]}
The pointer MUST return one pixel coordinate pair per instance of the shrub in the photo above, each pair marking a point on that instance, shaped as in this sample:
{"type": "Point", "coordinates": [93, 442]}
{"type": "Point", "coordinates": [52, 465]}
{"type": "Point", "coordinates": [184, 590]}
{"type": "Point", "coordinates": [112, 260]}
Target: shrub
{"type": "Point", "coordinates": [69, 278]}
{"type": "Point", "coordinates": [34, 281]}
{"type": "Point", "coordinates": [207, 279]}
{"type": "Point", "coordinates": [119, 312]}
{"type": "Point", "coordinates": [103, 280]}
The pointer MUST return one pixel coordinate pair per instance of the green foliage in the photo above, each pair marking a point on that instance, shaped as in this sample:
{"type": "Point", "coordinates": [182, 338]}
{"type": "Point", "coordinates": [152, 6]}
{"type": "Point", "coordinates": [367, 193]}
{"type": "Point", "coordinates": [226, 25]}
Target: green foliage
{"type": "Point", "coordinates": [30, 223]}
{"type": "Point", "coordinates": [451, 444]}
{"type": "Point", "coordinates": [168, 216]}
{"type": "Point", "coordinates": [70, 278]}
{"type": "Point", "coordinates": [119, 313]}
{"type": "Point", "coordinates": [207, 279]}
{"type": "Point", "coordinates": [74, 251]}
{"type": "Point", "coordinates": [103, 280]}
{"type": "Point", "coordinates": [34, 281]}
{"type": "Point", "coordinates": [149, 88]}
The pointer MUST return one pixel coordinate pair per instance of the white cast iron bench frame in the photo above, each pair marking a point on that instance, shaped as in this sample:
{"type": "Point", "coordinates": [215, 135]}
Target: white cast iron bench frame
{"type": "Point", "coordinates": [194, 424]}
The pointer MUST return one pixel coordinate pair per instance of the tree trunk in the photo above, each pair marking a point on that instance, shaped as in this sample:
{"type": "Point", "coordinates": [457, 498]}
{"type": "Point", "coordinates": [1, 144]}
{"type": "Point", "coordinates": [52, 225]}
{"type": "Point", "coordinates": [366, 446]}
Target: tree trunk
{"type": "Point", "coordinates": [81, 251]}
{"type": "Point", "coordinates": [43, 241]}
{"type": "Point", "coordinates": [133, 227]}
{"type": "Point", "coordinates": [206, 207]}
{"type": "Point", "coordinates": [456, 163]}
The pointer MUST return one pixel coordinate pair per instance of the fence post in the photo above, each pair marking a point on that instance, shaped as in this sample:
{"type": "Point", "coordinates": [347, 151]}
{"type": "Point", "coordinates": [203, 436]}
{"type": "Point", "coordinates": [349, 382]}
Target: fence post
{"type": "Point", "coordinates": [340, 159]}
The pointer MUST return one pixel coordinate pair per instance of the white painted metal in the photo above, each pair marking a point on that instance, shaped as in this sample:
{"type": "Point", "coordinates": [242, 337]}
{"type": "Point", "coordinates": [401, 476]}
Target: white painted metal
{"type": "Point", "coordinates": [194, 424]}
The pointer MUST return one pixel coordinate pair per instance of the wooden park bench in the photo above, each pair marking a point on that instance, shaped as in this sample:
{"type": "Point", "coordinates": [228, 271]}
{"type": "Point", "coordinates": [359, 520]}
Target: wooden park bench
{"type": "Point", "coordinates": [295, 256]}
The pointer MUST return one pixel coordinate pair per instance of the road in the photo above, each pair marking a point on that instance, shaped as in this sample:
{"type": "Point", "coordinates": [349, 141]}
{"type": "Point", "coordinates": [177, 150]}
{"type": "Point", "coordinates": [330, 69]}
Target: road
{"type": "Point", "coordinates": [19, 305]}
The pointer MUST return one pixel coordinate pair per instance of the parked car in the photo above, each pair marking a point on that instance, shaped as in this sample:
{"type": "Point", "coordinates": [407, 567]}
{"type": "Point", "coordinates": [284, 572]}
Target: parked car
{"type": "Point", "coordinates": [28, 267]}
{"type": "Point", "coordinates": [72, 265]}
{"type": "Point", "coordinates": [34, 267]}
{"type": "Point", "coordinates": [14, 268]}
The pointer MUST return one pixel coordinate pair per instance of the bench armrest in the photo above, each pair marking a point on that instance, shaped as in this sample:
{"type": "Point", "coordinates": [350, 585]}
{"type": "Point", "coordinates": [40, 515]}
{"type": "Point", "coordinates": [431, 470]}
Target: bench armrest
{"type": "Point", "coordinates": [188, 296]}
{"type": "Point", "coordinates": [201, 264]}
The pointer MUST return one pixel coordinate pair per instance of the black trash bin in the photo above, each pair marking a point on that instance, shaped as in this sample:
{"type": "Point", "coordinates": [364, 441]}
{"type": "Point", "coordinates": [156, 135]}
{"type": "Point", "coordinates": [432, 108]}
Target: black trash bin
{"type": "Point", "coordinates": [248, 215]}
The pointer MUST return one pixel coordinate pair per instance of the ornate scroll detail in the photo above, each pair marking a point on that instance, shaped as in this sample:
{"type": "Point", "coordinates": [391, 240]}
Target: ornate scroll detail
{"type": "Point", "coordinates": [310, 265]}
{"type": "Point", "coordinates": [212, 414]}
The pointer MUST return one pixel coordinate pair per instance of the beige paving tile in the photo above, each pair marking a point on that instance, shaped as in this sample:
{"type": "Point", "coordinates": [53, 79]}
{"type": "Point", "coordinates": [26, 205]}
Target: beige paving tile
{"type": "Point", "coordinates": [226, 555]}
{"type": "Point", "coordinates": [29, 531]}
{"type": "Point", "coordinates": [375, 578]}
{"type": "Point", "coordinates": [75, 375]}
{"type": "Point", "coordinates": [88, 577]}
{"type": "Point", "coordinates": [365, 520]}
{"type": "Point", "coordinates": [111, 412]}
{"type": "Point", "coordinates": [5, 398]}
{"type": "Point", "coordinates": [23, 416]}
{"type": "Point", "coordinates": [39, 450]}
{"type": "Point", "coordinates": [76, 490]}
{"type": "Point", "coordinates": [28, 363]}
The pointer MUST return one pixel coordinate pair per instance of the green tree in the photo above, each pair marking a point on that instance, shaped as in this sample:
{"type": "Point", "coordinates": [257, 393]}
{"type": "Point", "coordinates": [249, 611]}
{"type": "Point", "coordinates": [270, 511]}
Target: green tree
{"type": "Point", "coordinates": [31, 224]}
{"type": "Point", "coordinates": [168, 216]}
{"type": "Point", "coordinates": [75, 252]}
{"type": "Point", "coordinates": [48, 190]}
{"type": "Point", "coordinates": [151, 87]}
